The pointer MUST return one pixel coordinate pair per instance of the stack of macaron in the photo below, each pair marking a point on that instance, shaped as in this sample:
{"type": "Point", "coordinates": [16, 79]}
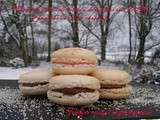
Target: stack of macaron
{"type": "Point", "coordinates": [75, 80]}
{"type": "Point", "coordinates": [114, 84]}
{"type": "Point", "coordinates": [72, 84]}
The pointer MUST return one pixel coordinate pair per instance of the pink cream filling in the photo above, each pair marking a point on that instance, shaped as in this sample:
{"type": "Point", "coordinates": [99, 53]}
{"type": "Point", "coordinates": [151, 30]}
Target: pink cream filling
{"type": "Point", "coordinates": [74, 65]}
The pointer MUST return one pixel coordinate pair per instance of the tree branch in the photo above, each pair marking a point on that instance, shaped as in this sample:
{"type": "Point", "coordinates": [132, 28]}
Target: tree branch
{"type": "Point", "coordinates": [7, 30]}
{"type": "Point", "coordinates": [90, 30]}
{"type": "Point", "coordinates": [152, 46]}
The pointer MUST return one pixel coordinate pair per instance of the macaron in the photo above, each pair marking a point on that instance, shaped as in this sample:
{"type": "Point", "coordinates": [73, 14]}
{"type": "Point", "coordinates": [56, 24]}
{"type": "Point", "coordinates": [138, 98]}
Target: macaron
{"type": "Point", "coordinates": [73, 90]}
{"type": "Point", "coordinates": [114, 83]}
{"type": "Point", "coordinates": [116, 93]}
{"type": "Point", "coordinates": [74, 61]}
{"type": "Point", "coordinates": [35, 82]}
{"type": "Point", "coordinates": [112, 78]}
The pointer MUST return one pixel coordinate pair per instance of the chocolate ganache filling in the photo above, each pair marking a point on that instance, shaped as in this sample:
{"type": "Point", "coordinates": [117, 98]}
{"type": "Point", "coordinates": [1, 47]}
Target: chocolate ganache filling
{"type": "Point", "coordinates": [33, 84]}
{"type": "Point", "coordinates": [111, 86]}
{"type": "Point", "coordinates": [73, 91]}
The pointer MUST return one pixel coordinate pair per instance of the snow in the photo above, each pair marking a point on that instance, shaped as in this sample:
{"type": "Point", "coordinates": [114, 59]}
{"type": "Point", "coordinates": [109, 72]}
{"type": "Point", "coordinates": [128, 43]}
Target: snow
{"type": "Point", "coordinates": [9, 73]}
{"type": "Point", "coordinates": [123, 56]}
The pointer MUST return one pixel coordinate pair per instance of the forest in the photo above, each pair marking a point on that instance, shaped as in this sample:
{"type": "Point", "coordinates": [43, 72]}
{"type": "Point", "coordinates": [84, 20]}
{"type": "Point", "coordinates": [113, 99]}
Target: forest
{"type": "Point", "coordinates": [121, 32]}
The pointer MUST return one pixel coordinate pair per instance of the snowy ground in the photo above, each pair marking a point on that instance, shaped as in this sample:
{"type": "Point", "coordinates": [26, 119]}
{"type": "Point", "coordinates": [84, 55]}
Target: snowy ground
{"type": "Point", "coordinates": [9, 73]}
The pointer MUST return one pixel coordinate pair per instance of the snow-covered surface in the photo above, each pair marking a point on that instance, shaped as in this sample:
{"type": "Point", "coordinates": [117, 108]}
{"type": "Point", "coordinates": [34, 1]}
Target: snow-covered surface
{"type": "Point", "coordinates": [9, 73]}
{"type": "Point", "coordinates": [123, 56]}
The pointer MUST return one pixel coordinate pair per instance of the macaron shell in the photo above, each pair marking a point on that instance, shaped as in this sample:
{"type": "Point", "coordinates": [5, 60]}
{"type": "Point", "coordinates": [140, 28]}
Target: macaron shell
{"type": "Point", "coordinates": [37, 90]}
{"type": "Point", "coordinates": [36, 76]}
{"type": "Point", "coordinates": [71, 55]}
{"type": "Point", "coordinates": [72, 81]}
{"type": "Point", "coordinates": [119, 93]}
{"type": "Point", "coordinates": [74, 100]}
{"type": "Point", "coordinates": [112, 77]}
{"type": "Point", "coordinates": [74, 70]}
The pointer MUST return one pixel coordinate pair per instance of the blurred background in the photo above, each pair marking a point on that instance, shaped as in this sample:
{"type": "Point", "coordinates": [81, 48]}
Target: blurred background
{"type": "Point", "coordinates": [125, 34]}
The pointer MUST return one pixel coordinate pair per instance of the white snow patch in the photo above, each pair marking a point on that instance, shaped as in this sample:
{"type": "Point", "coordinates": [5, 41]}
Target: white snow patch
{"type": "Point", "coordinates": [9, 73]}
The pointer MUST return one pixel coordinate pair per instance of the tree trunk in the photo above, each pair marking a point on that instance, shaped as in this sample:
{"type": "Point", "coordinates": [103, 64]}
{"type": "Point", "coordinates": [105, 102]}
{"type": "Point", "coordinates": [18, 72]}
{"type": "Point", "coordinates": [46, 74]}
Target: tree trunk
{"type": "Point", "coordinates": [130, 32]}
{"type": "Point", "coordinates": [75, 35]}
{"type": "Point", "coordinates": [140, 56]}
{"type": "Point", "coordinates": [145, 25]}
{"type": "Point", "coordinates": [156, 55]}
{"type": "Point", "coordinates": [24, 53]}
{"type": "Point", "coordinates": [103, 47]}
{"type": "Point", "coordinates": [74, 25]}
{"type": "Point", "coordinates": [104, 26]}
{"type": "Point", "coordinates": [23, 42]}
{"type": "Point", "coordinates": [49, 29]}
{"type": "Point", "coordinates": [34, 55]}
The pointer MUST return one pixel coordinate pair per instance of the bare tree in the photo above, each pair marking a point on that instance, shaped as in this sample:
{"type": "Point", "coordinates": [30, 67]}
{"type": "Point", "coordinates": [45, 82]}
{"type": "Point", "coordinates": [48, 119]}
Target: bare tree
{"type": "Point", "coordinates": [74, 24]}
{"type": "Point", "coordinates": [49, 28]}
{"type": "Point", "coordinates": [105, 19]}
{"type": "Point", "coordinates": [145, 24]}
{"type": "Point", "coordinates": [34, 56]}
{"type": "Point", "coordinates": [20, 39]}
{"type": "Point", "coordinates": [130, 30]}
{"type": "Point", "coordinates": [156, 55]}
{"type": "Point", "coordinates": [73, 13]}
